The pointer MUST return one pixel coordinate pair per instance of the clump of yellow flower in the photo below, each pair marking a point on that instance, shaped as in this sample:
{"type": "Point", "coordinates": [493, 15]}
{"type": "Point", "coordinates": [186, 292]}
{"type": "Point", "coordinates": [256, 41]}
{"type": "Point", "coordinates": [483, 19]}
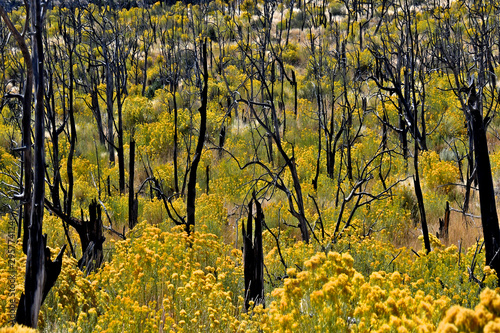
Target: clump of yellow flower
{"type": "Point", "coordinates": [330, 295]}
{"type": "Point", "coordinates": [17, 329]}
{"type": "Point", "coordinates": [162, 279]}
{"type": "Point", "coordinates": [484, 318]}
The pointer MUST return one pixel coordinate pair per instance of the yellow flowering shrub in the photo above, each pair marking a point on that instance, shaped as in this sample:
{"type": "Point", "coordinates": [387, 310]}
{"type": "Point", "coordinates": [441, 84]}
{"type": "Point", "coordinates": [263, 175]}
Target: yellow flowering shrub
{"type": "Point", "coordinates": [161, 279]}
{"type": "Point", "coordinates": [484, 318]}
{"type": "Point", "coordinates": [74, 300]}
{"type": "Point", "coordinates": [152, 210]}
{"type": "Point", "coordinates": [157, 137]}
{"type": "Point", "coordinates": [12, 268]}
{"type": "Point", "coordinates": [437, 173]}
{"type": "Point", "coordinates": [443, 271]}
{"type": "Point", "coordinates": [374, 287]}
{"type": "Point", "coordinates": [17, 329]}
{"type": "Point", "coordinates": [211, 215]}
{"type": "Point", "coordinates": [167, 280]}
{"type": "Point", "coordinates": [329, 295]}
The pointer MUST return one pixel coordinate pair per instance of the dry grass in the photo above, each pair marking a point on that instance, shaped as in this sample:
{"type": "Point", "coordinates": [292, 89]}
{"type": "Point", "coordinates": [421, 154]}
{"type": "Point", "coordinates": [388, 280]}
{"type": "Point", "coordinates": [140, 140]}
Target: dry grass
{"type": "Point", "coordinates": [464, 229]}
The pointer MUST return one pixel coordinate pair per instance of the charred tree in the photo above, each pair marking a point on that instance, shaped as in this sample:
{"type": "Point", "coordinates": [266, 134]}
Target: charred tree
{"type": "Point", "coordinates": [420, 200]}
{"type": "Point", "coordinates": [121, 58]}
{"type": "Point", "coordinates": [444, 223]}
{"type": "Point", "coordinates": [36, 276]}
{"type": "Point", "coordinates": [90, 233]}
{"type": "Point", "coordinates": [401, 75]}
{"type": "Point", "coordinates": [38, 280]}
{"type": "Point", "coordinates": [132, 201]}
{"type": "Point", "coordinates": [253, 256]}
{"type": "Point", "coordinates": [92, 238]}
{"type": "Point", "coordinates": [489, 217]}
{"type": "Point", "coordinates": [52, 271]}
{"type": "Point", "coordinates": [191, 187]}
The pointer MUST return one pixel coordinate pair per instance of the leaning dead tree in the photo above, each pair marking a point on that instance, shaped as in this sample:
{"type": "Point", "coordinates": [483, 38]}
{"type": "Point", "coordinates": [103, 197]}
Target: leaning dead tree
{"type": "Point", "coordinates": [253, 256]}
{"type": "Point", "coordinates": [400, 74]}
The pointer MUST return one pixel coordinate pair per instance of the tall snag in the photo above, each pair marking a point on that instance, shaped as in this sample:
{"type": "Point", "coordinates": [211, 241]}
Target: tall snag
{"type": "Point", "coordinates": [191, 189]}
{"type": "Point", "coordinates": [41, 272]}
{"type": "Point", "coordinates": [489, 217]}
{"type": "Point", "coordinates": [36, 276]}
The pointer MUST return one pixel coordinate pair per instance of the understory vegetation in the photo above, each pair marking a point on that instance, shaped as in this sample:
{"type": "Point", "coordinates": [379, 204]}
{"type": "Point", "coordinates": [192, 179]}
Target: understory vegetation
{"type": "Point", "coordinates": [168, 128]}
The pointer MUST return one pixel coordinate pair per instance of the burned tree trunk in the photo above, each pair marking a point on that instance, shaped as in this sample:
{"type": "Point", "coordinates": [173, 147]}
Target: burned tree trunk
{"type": "Point", "coordinates": [52, 271]}
{"type": "Point", "coordinates": [132, 201]}
{"type": "Point", "coordinates": [207, 176]}
{"type": "Point", "coordinates": [294, 84]}
{"type": "Point", "coordinates": [270, 148]}
{"type": "Point", "coordinates": [420, 201]}
{"type": "Point", "coordinates": [109, 106]}
{"type": "Point", "coordinates": [38, 278]}
{"type": "Point", "coordinates": [176, 140]}
{"type": "Point", "coordinates": [253, 257]}
{"type": "Point", "coordinates": [191, 189]}
{"type": "Point", "coordinates": [92, 238]}
{"type": "Point", "coordinates": [90, 233]}
{"type": "Point", "coordinates": [444, 223]}
{"type": "Point", "coordinates": [489, 216]}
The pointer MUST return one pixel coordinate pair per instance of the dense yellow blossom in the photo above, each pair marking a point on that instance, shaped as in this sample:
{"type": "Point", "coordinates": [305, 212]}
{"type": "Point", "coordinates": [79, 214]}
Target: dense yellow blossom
{"type": "Point", "coordinates": [17, 329]}
{"type": "Point", "coordinates": [159, 280]}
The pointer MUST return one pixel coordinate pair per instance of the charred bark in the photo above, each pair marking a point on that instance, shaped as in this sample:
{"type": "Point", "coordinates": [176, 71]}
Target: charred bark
{"type": "Point", "coordinates": [176, 140]}
{"type": "Point", "coordinates": [37, 282]}
{"type": "Point", "coordinates": [253, 256]}
{"type": "Point", "coordinates": [489, 216]}
{"type": "Point", "coordinates": [132, 201]}
{"type": "Point", "coordinates": [92, 238]}
{"type": "Point", "coordinates": [109, 106]}
{"type": "Point", "coordinates": [52, 271]}
{"type": "Point", "coordinates": [90, 233]}
{"type": "Point", "coordinates": [444, 223]}
{"type": "Point", "coordinates": [191, 187]}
